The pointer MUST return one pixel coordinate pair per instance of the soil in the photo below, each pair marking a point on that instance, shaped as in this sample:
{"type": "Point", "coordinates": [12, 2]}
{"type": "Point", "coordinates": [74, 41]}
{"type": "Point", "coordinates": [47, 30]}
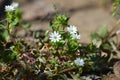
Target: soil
{"type": "Point", "coordinates": [87, 15]}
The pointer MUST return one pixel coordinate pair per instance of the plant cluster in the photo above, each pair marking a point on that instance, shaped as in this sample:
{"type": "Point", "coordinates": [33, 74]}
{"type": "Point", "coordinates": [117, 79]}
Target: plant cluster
{"type": "Point", "coordinates": [57, 55]}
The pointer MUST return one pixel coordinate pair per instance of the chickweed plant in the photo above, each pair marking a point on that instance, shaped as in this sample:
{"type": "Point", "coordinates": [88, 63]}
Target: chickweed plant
{"type": "Point", "coordinates": [58, 55]}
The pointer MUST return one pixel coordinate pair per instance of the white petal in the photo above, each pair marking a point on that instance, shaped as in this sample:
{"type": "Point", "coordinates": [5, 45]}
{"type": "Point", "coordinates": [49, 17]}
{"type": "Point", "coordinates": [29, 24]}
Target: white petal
{"type": "Point", "coordinates": [55, 37]}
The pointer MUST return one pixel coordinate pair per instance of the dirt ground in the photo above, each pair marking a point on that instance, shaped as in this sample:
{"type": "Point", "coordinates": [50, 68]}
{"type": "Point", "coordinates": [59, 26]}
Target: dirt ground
{"type": "Point", "coordinates": [87, 15]}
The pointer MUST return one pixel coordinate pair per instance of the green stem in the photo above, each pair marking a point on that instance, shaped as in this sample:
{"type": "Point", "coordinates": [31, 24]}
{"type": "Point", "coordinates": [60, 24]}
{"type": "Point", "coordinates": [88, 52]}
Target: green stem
{"type": "Point", "coordinates": [9, 32]}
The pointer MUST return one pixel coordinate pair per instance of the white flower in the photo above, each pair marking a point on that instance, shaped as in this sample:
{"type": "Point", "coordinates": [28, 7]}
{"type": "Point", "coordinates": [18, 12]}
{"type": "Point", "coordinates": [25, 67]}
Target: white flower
{"type": "Point", "coordinates": [79, 62]}
{"type": "Point", "coordinates": [15, 4]}
{"type": "Point", "coordinates": [72, 29]}
{"type": "Point", "coordinates": [55, 37]}
{"type": "Point", "coordinates": [9, 8]}
{"type": "Point", "coordinates": [75, 36]}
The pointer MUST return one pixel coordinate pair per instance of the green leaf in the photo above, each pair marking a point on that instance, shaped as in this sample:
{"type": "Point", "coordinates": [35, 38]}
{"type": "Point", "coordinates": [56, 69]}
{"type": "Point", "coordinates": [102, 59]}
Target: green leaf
{"type": "Point", "coordinates": [106, 46]}
{"type": "Point", "coordinates": [72, 45]}
{"type": "Point", "coordinates": [27, 25]}
{"type": "Point", "coordinates": [97, 43]}
{"type": "Point", "coordinates": [18, 15]}
{"type": "Point", "coordinates": [75, 76]}
{"type": "Point", "coordinates": [63, 76]}
{"type": "Point", "coordinates": [116, 6]}
{"type": "Point", "coordinates": [61, 43]}
{"type": "Point", "coordinates": [62, 19]}
{"type": "Point", "coordinates": [2, 26]}
{"type": "Point", "coordinates": [9, 17]}
{"type": "Point", "coordinates": [53, 61]}
{"type": "Point", "coordinates": [62, 32]}
{"type": "Point", "coordinates": [59, 21]}
{"type": "Point", "coordinates": [4, 36]}
{"type": "Point", "coordinates": [95, 36]}
{"type": "Point", "coordinates": [54, 25]}
{"type": "Point", "coordinates": [103, 31]}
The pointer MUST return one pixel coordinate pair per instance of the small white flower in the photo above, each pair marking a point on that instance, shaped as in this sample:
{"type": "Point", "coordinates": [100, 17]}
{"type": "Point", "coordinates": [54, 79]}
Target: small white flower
{"type": "Point", "coordinates": [79, 62]}
{"type": "Point", "coordinates": [75, 36]}
{"type": "Point", "coordinates": [55, 37]}
{"type": "Point", "coordinates": [9, 8]}
{"type": "Point", "coordinates": [72, 29]}
{"type": "Point", "coordinates": [15, 4]}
